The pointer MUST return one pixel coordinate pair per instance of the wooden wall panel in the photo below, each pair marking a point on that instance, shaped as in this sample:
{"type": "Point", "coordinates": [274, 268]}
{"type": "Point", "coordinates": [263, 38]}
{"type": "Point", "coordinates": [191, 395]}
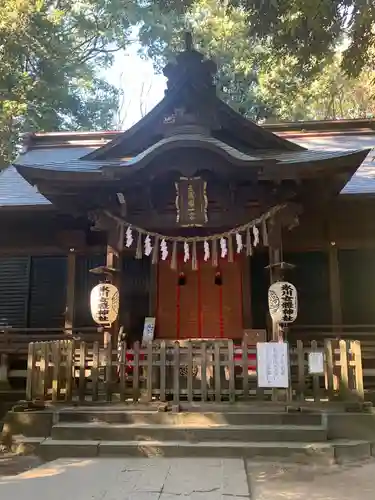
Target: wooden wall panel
{"type": "Point", "coordinates": [210, 301]}
{"type": "Point", "coordinates": [232, 298]}
{"type": "Point", "coordinates": [166, 320]}
{"type": "Point", "coordinates": [189, 303]}
{"type": "Point", "coordinates": [134, 294]}
{"type": "Point", "coordinates": [47, 302]}
{"type": "Point", "coordinates": [14, 290]}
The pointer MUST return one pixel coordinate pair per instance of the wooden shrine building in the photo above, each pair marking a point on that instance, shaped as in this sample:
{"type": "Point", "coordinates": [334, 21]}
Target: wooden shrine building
{"type": "Point", "coordinates": [123, 202]}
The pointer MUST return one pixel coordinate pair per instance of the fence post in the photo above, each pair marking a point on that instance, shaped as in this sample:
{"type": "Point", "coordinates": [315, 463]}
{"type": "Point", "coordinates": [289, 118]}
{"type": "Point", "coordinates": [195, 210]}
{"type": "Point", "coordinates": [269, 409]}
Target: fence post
{"type": "Point", "coordinates": [315, 377]}
{"type": "Point", "coordinates": [136, 371]}
{"type": "Point", "coordinates": [30, 372]}
{"type": "Point", "coordinates": [70, 369]}
{"type": "Point", "coordinates": [218, 373]}
{"type": "Point", "coordinates": [358, 372]}
{"type": "Point", "coordinates": [204, 371]}
{"type": "Point", "coordinates": [245, 368]}
{"type": "Point", "coordinates": [82, 371]}
{"type": "Point", "coordinates": [108, 371]}
{"type": "Point", "coordinates": [149, 371]}
{"type": "Point", "coordinates": [44, 365]}
{"type": "Point", "coordinates": [122, 370]}
{"type": "Point", "coordinates": [344, 372]}
{"type": "Point", "coordinates": [95, 370]}
{"type": "Point", "coordinates": [329, 367]}
{"type": "Point", "coordinates": [56, 351]}
{"type": "Point", "coordinates": [176, 373]}
{"type": "Point", "coordinates": [4, 360]}
{"type": "Point", "coordinates": [301, 370]}
{"type": "Point", "coordinates": [190, 371]}
{"type": "Point", "coordinates": [163, 368]}
{"type": "Point", "coordinates": [232, 384]}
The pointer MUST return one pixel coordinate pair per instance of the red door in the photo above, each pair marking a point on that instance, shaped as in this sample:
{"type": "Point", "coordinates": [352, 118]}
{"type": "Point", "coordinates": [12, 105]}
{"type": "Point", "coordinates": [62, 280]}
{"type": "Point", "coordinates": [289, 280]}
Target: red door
{"type": "Point", "coordinates": [199, 308]}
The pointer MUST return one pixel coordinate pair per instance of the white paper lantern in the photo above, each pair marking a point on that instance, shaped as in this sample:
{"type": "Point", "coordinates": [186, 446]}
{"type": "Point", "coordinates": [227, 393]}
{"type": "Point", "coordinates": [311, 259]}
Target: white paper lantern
{"type": "Point", "coordinates": [283, 302]}
{"type": "Point", "coordinates": [104, 303]}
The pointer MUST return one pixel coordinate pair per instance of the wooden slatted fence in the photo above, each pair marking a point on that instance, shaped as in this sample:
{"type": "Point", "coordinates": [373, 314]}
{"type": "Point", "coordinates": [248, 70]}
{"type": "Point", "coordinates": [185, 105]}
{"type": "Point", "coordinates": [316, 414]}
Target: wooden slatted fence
{"type": "Point", "coordinates": [204, 370]}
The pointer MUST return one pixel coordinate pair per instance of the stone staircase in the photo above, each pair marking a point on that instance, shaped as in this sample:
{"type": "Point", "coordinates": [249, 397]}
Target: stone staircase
{"type": "Point", "coordinates": [262, 435]}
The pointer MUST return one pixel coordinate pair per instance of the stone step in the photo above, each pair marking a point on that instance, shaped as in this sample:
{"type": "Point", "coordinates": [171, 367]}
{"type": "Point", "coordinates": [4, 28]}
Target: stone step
{"type": "Point", "coordinates": [191, 433]}
{"type": "Point", "coordinates": [204, 418]}
{"type": "Point", "coordinates": [292, 452]}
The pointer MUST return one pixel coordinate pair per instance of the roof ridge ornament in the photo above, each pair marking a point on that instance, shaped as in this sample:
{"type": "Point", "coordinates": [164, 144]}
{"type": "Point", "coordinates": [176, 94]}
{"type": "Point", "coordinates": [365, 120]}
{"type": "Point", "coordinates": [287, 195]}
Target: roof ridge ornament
{"type": "Point", "coordinates": [191, 65]}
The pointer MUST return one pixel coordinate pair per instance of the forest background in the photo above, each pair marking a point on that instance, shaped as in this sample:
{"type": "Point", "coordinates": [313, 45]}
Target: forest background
{"type": "Point", "coordinates": [72, 64]}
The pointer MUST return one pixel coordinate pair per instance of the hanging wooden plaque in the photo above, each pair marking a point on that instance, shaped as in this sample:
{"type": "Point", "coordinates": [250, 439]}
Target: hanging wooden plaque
{"type": "Point", "coordinates": [191, 202]}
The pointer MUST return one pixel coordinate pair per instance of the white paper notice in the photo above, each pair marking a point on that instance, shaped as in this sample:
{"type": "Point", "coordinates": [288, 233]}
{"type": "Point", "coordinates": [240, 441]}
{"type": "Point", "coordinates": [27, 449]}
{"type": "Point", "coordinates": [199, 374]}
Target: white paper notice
{"type": "Point", "coordinates": [273, 365]}
{"type": "Point", "coordinates": [148, 330]}
{"type": "Point", "coordinates": [316, 363]}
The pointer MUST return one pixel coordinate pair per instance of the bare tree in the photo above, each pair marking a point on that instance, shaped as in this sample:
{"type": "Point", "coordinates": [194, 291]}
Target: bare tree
{"type": "Point", "coordinates": [144, 95]}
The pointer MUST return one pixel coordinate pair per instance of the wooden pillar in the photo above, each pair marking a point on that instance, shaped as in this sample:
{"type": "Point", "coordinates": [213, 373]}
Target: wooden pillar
{"type": "Point", "coordinates": [154, 271]}
{"type": "Point", "coordinates": [4, 367]}
{"type": "Point", "coordinates": [334, 287]}
{"type": "Point", "coordinates": [275, 257]}
{"type": "Point", "coordinates": [4, 362]}
{"type": "Point", "coordinates": [115, 241]}
{"type": "Point", "coordinates": [70, 292]}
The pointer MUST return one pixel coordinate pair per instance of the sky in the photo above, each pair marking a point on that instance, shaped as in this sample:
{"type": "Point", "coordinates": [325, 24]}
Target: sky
{"type": "Point", "coordinates": [136, 78]}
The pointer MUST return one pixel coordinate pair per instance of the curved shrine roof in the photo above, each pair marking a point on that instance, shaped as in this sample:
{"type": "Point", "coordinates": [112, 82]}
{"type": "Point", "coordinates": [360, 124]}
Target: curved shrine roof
{"type": "Point", "coordinates": [57, 155]}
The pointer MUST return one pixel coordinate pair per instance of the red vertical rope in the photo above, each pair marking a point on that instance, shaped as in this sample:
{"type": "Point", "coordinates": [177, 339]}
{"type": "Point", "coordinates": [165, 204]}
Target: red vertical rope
{"type": "Point", "coordinates": [178, 301]}
{"type": "Point", "coordinates": [199, 304]}
{"type": "Point", "coordinates": [157, 296]}
{"type": "Point", "coordinates": [221, 314]}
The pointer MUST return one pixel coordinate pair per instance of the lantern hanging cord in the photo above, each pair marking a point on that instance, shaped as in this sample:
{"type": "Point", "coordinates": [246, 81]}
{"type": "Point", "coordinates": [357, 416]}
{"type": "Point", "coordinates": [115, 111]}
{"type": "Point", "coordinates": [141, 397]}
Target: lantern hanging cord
{"type": "Point", "coordinates": [238, 229]}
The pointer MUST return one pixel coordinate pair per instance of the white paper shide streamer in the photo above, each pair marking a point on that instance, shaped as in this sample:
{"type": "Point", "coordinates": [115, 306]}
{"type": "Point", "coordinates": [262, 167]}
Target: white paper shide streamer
{"type": "Point", "coordinates": [129, 237]}
{"type": "Point", "coordinates": [256, 236]}
{"type": "Point", "coordinates": [186, 252]}
{"type": "Point", "coordinates": [223, 247]}
{"type": "Point", "coordinates": [239, 242]}
{"type": "Point", "coordinates": [148, 245]}
{"type": "Point", "coordinates": [206, 248]}
{"type": "Point", "coordinates": [163, 249]}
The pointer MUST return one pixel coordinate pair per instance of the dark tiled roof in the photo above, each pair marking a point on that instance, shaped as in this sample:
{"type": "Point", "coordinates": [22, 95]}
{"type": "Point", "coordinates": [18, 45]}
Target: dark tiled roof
{"type": "Point", "coordinates": [15, 191]}
{"type": "Point", "coordinates": [192, 140]}
{"type": "Point", "coordinates": [363, 181]}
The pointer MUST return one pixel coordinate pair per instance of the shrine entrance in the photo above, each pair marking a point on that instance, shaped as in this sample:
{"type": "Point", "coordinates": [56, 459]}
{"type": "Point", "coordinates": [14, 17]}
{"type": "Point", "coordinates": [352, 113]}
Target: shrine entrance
{"type": "Point", "coordinates": [202, 303]}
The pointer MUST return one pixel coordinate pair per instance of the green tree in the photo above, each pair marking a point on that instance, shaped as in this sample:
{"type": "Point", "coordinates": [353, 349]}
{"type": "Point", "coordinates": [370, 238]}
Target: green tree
{"type": "Point", "coordinates": [254, 78]}
{"type": "Point", "coordinates": [308, 30]}
{"type": "Point", "coordinates": [220, 33]}
{"type": "Point", "coordinates": [50, 55]}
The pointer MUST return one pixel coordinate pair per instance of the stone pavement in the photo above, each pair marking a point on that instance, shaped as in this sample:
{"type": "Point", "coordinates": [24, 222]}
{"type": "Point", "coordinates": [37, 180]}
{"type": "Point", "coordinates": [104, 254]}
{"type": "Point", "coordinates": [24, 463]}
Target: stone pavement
{"type": "Point", "coordinates": [130, 478]}
{"type": "Point", "coordinates": [197, 479]}
{"type": "Point", "coordinates": [293, 482]}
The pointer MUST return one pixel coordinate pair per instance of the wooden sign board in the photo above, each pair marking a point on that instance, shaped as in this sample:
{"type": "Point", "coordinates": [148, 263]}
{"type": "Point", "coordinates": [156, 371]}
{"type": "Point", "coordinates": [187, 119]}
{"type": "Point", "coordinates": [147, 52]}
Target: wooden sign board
{"type": "Point", "coordinates": [252, 337]}
{"type": "Point", "coordinates": [191, 202]}
{"type": "Point", "coordinates": [316, 363]}
{"type": "Point", "coordinates": [148, 330]}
